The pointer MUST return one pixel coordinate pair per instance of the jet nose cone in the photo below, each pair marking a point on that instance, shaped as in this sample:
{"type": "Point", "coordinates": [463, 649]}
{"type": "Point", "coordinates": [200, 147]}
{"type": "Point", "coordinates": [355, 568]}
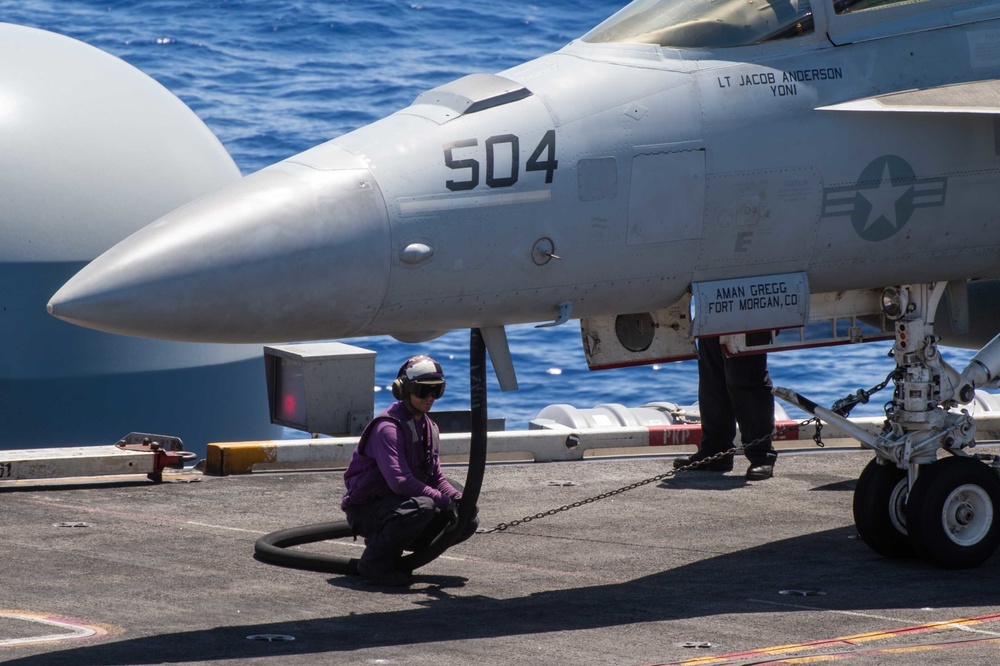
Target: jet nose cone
{"type": "Point", "coordinates": [288, 253]}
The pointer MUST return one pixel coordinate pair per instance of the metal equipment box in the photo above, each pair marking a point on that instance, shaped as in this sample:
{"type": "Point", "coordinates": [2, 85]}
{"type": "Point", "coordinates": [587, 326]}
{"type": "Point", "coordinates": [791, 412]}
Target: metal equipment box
{"type": "Point", "coordinates": [325, 387]}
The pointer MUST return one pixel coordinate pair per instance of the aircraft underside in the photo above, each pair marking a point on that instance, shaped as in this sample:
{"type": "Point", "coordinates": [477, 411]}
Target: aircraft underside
{"type": "Point", "coordinates": [927, 492]}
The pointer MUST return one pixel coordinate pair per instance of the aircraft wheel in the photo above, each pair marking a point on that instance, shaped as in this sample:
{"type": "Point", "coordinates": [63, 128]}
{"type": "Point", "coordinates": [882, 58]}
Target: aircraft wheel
{"type": "Point", "coordinates": [880, 510]}
{"type": "Point", "coordinates": [952, 513]}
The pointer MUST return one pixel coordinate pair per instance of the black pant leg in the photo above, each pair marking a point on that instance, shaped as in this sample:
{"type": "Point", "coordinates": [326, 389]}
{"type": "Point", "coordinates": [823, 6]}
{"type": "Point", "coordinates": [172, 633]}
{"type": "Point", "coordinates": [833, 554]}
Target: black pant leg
{"type": "Point", "coordinates": [749, 386]}
{"type": "Point", "coordinates": [718, 420]}
{"type": "Point", "coordinates": [389, 525]}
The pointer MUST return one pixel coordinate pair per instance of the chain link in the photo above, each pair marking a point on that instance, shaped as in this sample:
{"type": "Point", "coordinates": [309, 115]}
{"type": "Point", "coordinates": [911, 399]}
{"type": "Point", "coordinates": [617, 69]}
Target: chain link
{"type": "Point", "coordinates": [861, 397]}
{"type": "Point", "coordinates": [659, 477]}
{"type": "Point", "coordinates": [842, 407]}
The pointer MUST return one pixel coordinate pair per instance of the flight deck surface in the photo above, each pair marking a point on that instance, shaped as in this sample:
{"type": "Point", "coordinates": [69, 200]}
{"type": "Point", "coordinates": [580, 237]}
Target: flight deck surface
{"type": "Point", "coordinates": [703, 566]}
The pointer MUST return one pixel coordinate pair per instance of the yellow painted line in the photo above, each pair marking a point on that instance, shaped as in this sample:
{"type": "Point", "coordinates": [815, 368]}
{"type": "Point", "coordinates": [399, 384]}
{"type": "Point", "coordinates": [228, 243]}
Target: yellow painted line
{"type": "Point", "coordinates": [848, 641]}
{"type": "Point", "coordinates": [223, 459]}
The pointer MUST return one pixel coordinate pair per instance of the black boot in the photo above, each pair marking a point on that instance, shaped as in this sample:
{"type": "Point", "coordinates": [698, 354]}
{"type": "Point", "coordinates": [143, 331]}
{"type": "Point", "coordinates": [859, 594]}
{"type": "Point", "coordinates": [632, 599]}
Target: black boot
{"type": "Point", "coordinates": [724, 464]}
{"type": "Point", "coordinates": [760, 472]}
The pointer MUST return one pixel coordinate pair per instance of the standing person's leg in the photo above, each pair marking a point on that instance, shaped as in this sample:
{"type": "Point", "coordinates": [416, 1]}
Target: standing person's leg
{"type": "Point", "coordinates": [750, 391]}
{"type": "Point", "coordinates": [718, 422]}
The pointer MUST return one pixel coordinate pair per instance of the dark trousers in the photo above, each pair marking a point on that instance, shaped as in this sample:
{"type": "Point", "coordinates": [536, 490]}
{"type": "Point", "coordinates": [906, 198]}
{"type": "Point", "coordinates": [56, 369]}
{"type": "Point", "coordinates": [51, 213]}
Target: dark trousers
{"type": "Point", "coordinates": [393, 524]}
{"type": "Point", "coordinates": [735, 390]}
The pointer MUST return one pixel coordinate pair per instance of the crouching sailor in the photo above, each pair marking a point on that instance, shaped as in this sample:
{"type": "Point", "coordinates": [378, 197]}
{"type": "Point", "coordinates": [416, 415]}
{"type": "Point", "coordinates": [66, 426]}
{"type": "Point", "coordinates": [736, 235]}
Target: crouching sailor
{"type": "Point", "coordinates": [397, 497]}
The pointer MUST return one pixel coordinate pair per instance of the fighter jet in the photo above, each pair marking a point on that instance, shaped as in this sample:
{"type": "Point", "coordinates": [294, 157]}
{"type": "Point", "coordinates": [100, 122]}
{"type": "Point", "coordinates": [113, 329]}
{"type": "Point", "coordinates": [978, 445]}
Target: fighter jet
{"type": "Point", "coordinates": [684, 169]}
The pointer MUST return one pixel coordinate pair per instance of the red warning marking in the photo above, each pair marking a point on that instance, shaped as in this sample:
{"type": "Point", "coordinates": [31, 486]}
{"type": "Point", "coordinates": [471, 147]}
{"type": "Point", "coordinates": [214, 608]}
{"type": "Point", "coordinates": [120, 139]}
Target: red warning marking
{"type": "Point", "coordinates": [63, 628]}
{"type": "Point", "coordinates": [690, 434]}
{"type": "Point", "coordinates": [675, 435]}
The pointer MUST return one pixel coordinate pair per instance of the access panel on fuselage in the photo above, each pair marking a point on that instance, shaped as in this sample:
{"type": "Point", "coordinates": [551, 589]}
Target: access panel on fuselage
{"type": "Point", "coordinates": [666, 197]}
{"type": "Point", "coordinates": [760, 221]}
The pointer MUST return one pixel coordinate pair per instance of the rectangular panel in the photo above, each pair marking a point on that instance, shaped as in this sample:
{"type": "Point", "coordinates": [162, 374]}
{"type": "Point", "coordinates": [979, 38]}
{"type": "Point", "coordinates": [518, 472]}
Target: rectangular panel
{"type": "Point", "coordinates": [899, 18]}
{"type": "Point", "coordinates": [642, 338]}
{"type": "Point", "coordinates": [758, 303]}
{"type": "Point", "coordinates": [667, 197]}
{"type": "Point", "coordinates": [756, 218]}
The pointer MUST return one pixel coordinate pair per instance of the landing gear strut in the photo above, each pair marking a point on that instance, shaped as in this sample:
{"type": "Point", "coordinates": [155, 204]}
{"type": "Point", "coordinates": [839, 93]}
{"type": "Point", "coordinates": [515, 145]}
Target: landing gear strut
{"type": "Point", "coordinates": [908, 501]}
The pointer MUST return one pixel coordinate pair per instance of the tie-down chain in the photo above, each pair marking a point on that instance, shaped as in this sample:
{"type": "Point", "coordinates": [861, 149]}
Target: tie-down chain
{"type": "Point", "coordinates": [659, 477]}
{"type": "Point", "coordinates": [842, 406]}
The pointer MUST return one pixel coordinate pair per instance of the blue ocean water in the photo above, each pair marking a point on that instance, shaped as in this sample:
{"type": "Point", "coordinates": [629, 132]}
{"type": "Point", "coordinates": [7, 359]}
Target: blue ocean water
{"type": "Point", "coordinates": [274, 78]}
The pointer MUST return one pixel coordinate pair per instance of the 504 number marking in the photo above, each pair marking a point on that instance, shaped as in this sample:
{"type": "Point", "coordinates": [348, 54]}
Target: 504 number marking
{"type": "Point", "coordinates": [543, 158]}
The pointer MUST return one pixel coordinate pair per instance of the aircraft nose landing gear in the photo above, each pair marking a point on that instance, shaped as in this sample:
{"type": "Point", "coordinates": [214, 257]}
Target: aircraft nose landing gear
{"type": "Point", "coordinates": [908, 501]}
{"type": "Point", "coordinates": [880, 509]}
{"type": "Point", "coordinates": [952, 513]}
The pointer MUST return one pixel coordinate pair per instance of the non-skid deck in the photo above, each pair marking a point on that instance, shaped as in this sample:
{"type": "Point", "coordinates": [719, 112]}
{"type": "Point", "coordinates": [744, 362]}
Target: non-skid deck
{"type": "Point", "coordinates": [703, 567]}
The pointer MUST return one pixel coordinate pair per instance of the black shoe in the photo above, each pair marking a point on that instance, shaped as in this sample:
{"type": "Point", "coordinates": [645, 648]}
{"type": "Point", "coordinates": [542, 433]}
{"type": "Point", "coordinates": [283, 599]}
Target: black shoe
{"type": "Point", "coordinates": [721, 465]}
{"type": "Point", "coordinates": [760, 472]}
{"type": "Point", "coordinates": [386, 578]}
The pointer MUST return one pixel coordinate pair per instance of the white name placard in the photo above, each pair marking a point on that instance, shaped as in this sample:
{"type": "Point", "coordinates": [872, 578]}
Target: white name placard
{"type": "Point", "coordinates": [738, 305]}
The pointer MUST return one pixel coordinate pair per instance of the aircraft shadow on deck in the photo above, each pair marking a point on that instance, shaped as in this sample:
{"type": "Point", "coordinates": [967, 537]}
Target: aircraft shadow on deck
{"type": "Point", "coordinates": [745, 582]}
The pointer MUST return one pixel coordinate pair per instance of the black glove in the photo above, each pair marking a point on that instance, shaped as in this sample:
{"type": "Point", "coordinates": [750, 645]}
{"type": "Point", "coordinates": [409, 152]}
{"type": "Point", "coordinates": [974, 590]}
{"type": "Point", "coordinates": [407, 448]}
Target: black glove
{"type": "Point", "coordinates": [475, 509]}
{"type": "Point", "coordinates": [450, 513]}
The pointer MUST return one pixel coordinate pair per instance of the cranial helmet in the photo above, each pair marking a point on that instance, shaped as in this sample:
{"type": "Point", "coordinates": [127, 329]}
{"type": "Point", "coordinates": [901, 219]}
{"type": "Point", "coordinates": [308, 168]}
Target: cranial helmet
{"type": "Point", "coordinates": [420, 372]}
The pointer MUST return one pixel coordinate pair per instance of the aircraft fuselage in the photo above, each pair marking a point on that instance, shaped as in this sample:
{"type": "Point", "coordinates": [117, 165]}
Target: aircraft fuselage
{"type": "Point", "coordinates": [609, 177]}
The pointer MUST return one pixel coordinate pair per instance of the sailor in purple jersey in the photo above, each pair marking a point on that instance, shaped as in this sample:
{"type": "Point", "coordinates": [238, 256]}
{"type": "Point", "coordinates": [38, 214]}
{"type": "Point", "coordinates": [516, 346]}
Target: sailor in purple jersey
{"type": "Point", "coordinates": [397, 496]}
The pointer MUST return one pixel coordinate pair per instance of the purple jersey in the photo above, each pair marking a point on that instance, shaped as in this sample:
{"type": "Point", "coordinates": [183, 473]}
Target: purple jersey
{"type": "Point", "coordinates": [397, 455]}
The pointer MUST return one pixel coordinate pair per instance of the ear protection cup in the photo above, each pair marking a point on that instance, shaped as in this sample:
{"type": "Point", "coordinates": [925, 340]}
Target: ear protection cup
{"type": "Point", "coordinates": [400, 385]}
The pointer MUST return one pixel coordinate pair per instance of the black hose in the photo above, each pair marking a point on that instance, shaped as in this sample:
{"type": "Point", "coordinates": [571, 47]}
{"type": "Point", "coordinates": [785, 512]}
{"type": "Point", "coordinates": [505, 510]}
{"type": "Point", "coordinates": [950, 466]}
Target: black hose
{"type": "Point", "coordinates": [477, 458]}
{"type": "Point", "coordinates": [272, 548]}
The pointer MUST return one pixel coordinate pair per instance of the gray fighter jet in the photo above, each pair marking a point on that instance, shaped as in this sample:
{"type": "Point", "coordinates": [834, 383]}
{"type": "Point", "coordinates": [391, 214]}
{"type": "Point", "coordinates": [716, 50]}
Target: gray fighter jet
{"type": "Point", "coordinates": [685, 169]}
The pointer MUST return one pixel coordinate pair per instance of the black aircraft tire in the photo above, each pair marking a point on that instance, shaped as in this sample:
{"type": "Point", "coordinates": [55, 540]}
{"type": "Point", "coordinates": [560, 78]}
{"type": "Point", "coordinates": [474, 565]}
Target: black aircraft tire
{"type": "Point", "coordinates": [880, 510]}
{"type": "Point", "coordinates": [272, 548]}
{"type": "Point", "coordinates": [952, 513]}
